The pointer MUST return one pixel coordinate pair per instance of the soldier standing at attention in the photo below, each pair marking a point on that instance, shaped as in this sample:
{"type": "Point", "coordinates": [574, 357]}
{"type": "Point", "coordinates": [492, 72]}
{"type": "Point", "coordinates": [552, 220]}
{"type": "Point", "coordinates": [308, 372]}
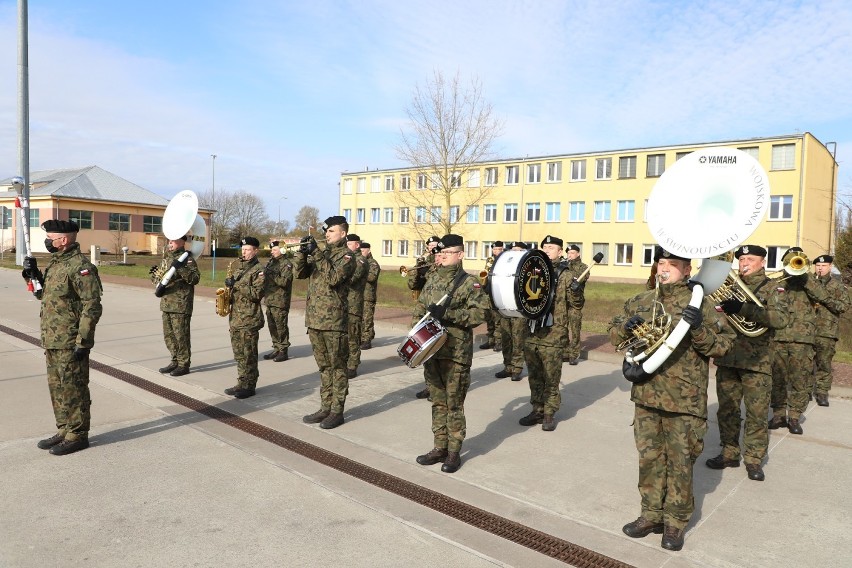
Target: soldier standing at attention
{"type": "Point", "coordinates": [575, 268]}
{"type": "Point", "coordinates": [176, 304]}
{"type": "Point", "coordinates": [493, 318]}
{"type": "Point", "coordinates": [513, 333]}
{"type": "Point", "coordinates": [70, 310]}
{"type": "Point", "coordinates": [355, 304]}
{"type": "Point", "coordinates": [328, 271]}
{"type": "Point", "coordinates": [670, 417]}
{"type": "Point", "coordinates": [828, 313]}
{"type": "Point", "coordinates": [417, 279]}
{"type": "Point", "coordinates": [246, 317]}
{"type": "Point", "coordinates": [448, 371]}
{"type": "Point", "coordinates": [277, 290]}
{"type": "Point", "coordinates": [744, 375]}
{"type": "Point", "coordinates": [368, 329]}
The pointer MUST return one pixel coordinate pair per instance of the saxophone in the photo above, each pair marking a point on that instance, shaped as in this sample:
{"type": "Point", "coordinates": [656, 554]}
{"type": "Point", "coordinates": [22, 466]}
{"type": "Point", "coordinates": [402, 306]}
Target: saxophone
{"type": "Point", "coordinates": [223, 295]}
{"type": "Point", "coordinates": [735, 289]}
{"type": "Point", "coordinates": [483, 274]}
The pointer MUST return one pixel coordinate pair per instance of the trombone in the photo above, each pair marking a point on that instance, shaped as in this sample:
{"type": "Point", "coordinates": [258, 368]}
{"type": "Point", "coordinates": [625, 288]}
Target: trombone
{"type": "Point", "coordinates": [419, 264]}
{"type": "Point", "coordinates": [794, 266]}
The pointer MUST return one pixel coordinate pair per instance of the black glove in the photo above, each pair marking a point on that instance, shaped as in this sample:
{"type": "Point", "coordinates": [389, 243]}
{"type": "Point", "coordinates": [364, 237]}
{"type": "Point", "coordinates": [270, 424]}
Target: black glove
{"type": "Point", "coordinates": [797, 282]}
{"type": "Point", "coordinates": [693, 317]}
{"type": "Point", "coordinates": [575, 285]}
{"type": "Point", "coordinates": [634, 373]}
{"type": "Point", "coordinates": [308, 245]}
{"type": "Point", "coordinates": [152, 270]}
{"type": "Point", "coordinates": [30, 268]}
{"type": "Point", "coordinates": [731, 306]}
{"type": "Point", "coordinates": [81, 353]}
{"type": "Point", "coordinates": [229, 282]}
{"type": "Point", "coordinates": [437, 312]}
{"type": "Point", "coordinates": [633, 323]}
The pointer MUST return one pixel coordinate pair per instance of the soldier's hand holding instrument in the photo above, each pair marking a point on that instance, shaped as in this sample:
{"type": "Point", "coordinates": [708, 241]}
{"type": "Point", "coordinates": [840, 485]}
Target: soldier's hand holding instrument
{"type": "Point", "coordinates": [181, 219]}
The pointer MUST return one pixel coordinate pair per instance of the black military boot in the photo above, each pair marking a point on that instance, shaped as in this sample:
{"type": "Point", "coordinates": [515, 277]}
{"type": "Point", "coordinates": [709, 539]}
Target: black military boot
{"type": "Point", "coordinates": [436, 455]}
{"type": "Point", "coordinates": [641, 527]}
{"type": "Point", "coordinates": [333, 420]}
{"type": "Point", "coordinates": [281, 356]}
{"type": "Point", "coordinates": [231, 390]}
{"type": "Point", "coordinates": [777, 421]}
{"type": "Point", "coordinates": [548, 424]}
{"type": "Point", "coordinates": [503, 374]}
{"type": "Point", "coordinates": [794, 427]}
{"type": "Point", "coordinates": [452, 463]}
{"type": "Point", "coordinates": [316, 417]}
{"type": "Point", "coordinates": [755, 472]}
{"type": "Point", "coordinates": [244, 392]}
{"type": "Point", "coordinates": [532, 419]}
{"type": "Point", "coordinates": [48, 443]}
{"type": "Point", "coordinates": [69, 446]}
{"type": "Point", "coordinates": [721, 462]}
{"type": "Point", "coordinates": [366, 345]}
{"type": "Point", "coordinates": [351, 373]}
{"type": "Point", "coordinates": [423, 393]}
{"type": "Point", "coordinates": [486, 345]}
{"type": "Point", "coordinates": [272, 354]}
{"type": "Point", "coordinates": [672, 539]}
{"type": "Point", "coordinates": [517, 376]}
{"type": "Point", "coordinates": [169, 368]}
{"type": "Point", "coordinates": [180, 371]}
{"type": "Point", "coordinates": [821, 399]}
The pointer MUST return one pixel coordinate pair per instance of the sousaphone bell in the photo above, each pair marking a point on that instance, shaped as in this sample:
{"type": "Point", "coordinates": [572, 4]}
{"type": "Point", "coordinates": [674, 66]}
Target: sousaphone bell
{"type": "Point", "coordinates": [181, 219]}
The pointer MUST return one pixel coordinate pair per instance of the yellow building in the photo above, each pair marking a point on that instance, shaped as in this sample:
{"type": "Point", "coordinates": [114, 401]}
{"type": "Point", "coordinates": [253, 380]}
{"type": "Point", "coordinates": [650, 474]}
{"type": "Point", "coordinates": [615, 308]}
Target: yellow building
{"type": "Point", "coordinates": [596, 200]}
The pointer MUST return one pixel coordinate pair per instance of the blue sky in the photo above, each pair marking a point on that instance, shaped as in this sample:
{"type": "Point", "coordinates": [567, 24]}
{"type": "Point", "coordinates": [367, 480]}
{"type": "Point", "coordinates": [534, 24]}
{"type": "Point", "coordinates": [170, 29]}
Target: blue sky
{"type": "Point", "coordinates": [290, 94]}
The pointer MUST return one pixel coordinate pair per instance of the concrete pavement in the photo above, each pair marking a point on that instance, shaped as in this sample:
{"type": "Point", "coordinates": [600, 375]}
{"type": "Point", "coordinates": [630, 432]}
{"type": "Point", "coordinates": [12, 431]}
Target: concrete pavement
{"type": "Point", "coordinates": [165, 486]}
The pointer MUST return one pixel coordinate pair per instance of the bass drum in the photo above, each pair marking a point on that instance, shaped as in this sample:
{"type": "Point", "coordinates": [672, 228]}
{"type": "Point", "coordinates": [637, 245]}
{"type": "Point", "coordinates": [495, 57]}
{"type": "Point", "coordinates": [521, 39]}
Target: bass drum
{"type": "Point", "coordinates": [522, 284]}
{"type": "Point", "coordinates": [423, 341]}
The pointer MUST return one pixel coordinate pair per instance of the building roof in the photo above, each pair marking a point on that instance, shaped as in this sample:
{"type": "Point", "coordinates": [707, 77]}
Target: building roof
{"type": "Point", "coordinates": [90, 183]}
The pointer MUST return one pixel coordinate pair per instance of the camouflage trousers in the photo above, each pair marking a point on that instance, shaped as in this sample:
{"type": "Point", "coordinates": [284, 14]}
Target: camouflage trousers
{"type": "Point", "coordinates": [176, 335]}
{"type": "Point", "coordinates": [68, 381]}
{"type": "Point", "coordinates": [824, 349]}
{"type": "Point", "coordinates": [448, 383]}
{"type": "Point", "coordinates": [244, 346]}
{"type": "Point", "coordinates": [792, 377]}
{"type": "Point", "coordinates": [513, 334]}
{"type": "Point", "coordinates": [331, 350]}
{"type": "Point", "coordinates": [544, 365]}
{"type": "Point", "coordinates": [575, 323]}
{"type": "Point", "coordinates": [668, 444]}
{"type": "Point", "coordinates": [492, 325]}
{"type": "Point", "coordinates": [354, 325]}
{"type": "Point", "coordinates": [279, 330]}
{"type": "Point", "coordinates": [752, 389]}
{"type": "Point", "coordinates": [368, 328]}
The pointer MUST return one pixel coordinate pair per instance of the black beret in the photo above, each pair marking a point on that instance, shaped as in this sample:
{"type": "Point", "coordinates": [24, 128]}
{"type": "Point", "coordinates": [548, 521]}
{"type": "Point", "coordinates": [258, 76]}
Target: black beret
{"type": "Point", "coordinates": [249, 241]}
{"type": "Point", "coordinates": [497, 244]}
{"type": "Point", "coordinates": [352, 237]}
{"type": "Point", "coordinates": [574, 247]}
{"type": "Point", "coordinates": [451, 240]}
{"type": "Point", "coordinates": [60, 226]}
{"type": "Point", "coordinates": [551, 240]}
{"type": "Point", "coordinates": [274, 243]}
{"type": "Point", "coordinates": [660, 252]}
{"type": "Point", "coordinates": [433, 239]}
{"type": "Point", "coordinates": [824, 258]}
{"type": "Point", "coordinates": [756, 250]}
{"type": "Point", "coordinates": [795, 249]}
{"type": "Point", "coordinates": [365, 245]}
{"type": "Point", "coordinates": [520, 245]}
{"type": "Point", "coordinates": [332, 221]}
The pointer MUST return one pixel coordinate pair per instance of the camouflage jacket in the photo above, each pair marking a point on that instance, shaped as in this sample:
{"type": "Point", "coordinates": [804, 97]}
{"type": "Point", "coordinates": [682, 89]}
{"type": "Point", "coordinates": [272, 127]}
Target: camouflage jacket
{"type": "Point", "coordinates": [372, 279]}
{"type": "Point", "coordinates": [246, 312]}
{"type": "Point", "coordinates": [557, 334]}
{"type": "Point", "coordinates": [465, 311]}
{"type": "Point", "coordinates": [802, 325]}
{"type": "Point", "coordinates": [70, 301]}
{"type": "Point", "coordinates": [755, 353]}
{"type": "Point", "coordinates": [179, 295]}
{"type": "Point", "coordinates": [680, 383]}
{"type": "Point", "coordinates": [834, 302]}
{"type": "Point", "coordinates": [576, 300]}
{"type": "Point", "coordinates": [357, 283]}
{"type": "Point", "coordinates": [278, 282]}
{"type": "Point", "coordinates": [417, 278]}
{"type": "Point", "coordinates": [328, 271]}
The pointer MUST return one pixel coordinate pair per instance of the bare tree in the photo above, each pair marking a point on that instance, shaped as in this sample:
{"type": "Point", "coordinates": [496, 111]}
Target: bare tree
{"type": "Point", "coordinates": [307, 217]}
{"type": "Point", "coordinates": [224, 209]}
{"type": "Point", "coordinates": [249, 215]}
{"type": "Point", "coordinates": [452, 128]}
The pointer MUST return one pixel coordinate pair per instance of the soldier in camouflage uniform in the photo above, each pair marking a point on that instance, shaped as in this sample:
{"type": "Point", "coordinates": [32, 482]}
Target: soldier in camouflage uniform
{"type": "Point", "coordinates": [493, 319]}
{"type": "Point", "coordinates": [368, 328]}
{"type": "Point", "coordinates": [793, 347]}
{"type": "Point", "coordinates": [417, 279]}
{"type": "Point", "coordinates": [176, 303]}
{"type": "Point", "coordinates": [744, 375]}
{"type": "Point", "coordinates": [277, 290]}
{"type": "Point", "coordinates": [246, 317]}
{"type": "Point", "coordinates": [575, 268]}
{"type": "Point", "coordinates": [328, 271]}
{"type": "Point", "coordinates": [355, 304]}
{"type": "Point", "coordinates": [671, 403]}
{"type": "Point", "coordinates": [513, 333]}
{"type": "Point", "coordinates": [828, 325]}
{"type": "Point", "coordinates": [447, 372]}
{"type": "Point", "coordinates": [70, 310]}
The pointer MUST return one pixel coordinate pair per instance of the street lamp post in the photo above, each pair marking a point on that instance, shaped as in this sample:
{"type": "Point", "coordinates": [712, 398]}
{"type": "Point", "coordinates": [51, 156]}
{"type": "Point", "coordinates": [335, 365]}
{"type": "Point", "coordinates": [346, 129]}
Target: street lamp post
{"type": "Point", "coordinates": [212, 214]}
{"type": "Point", "coordinates": [279, 211]}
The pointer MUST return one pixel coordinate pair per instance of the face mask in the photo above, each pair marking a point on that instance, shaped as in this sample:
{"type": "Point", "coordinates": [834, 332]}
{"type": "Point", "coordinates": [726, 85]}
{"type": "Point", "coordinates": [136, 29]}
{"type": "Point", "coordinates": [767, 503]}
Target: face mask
{"type": "Point", "coordinates": [48, 244]}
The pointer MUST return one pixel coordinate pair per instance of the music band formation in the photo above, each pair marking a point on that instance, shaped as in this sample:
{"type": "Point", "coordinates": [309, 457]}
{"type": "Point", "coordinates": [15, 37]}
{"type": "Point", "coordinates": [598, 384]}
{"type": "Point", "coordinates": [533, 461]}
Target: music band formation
{"type": "Point", "coordinates": [772, 340]}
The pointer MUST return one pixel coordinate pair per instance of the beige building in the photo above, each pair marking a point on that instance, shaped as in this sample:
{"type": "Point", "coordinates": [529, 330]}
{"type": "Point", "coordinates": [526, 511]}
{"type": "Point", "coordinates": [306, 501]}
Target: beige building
{"type": "Point", "coordinates": [596, 200]}
{"type": "Point", "coordinates": [112, 212]}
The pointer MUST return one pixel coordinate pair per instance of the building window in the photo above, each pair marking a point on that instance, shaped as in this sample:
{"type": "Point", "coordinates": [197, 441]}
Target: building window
{"type": "Point", "coordinates": [781, 207]}
{"type": "Point", "coordinates": [751, 151]}
{"type": "Point", "coordinates": [603, 168]}
{"type": "Point", "coordinates": [578, 170]}
{"type": "Point", "coordinates": [436, 181]}
{"type": "Point", "coordinates": [602, 248]}
{"type": "Point", "coordinates": [534, 173]}
{"type": "Point", "coordinates": [486, 248]}
{"type": "Point", "coordinates": [510, 213]}
{"type": "Point", "coordinates": [647, 255]}
{"type": "Point", "coordinates": [491, 175]}
{"type": "Point", "coordinates": [421, 181]}
{"type": "Point", "coordinates": [454, 213]}
{"type": "Point", "coordinates": [82, 218]}
{"type": "Point", "coordinates": [470, 249]}
{"type": "Point", "coordinates": [119, 222]}
{"type": "Point", "coordinates": [455, 180]}
{"type": "Point", "coordinates": [623, 254]}
{"type": "Point", "coordinates": [603, 211]}
{"type": "Point", "coordinates": [552, 211]}
{"type": "Point", "coordinates": [554, 171]}
{"type": "Point", "coordinates": [774, 254]}
{"type": "Point", "coordinates": [490, 213]}
{"type": "Point", "coordinates": [361, 213]}
{"type": "Point", "coordinates": [152, 224]}
{"type": "Point", "coordinates": [576, 211]}
{"type": "Point", "coordinates": [420, 214]}
{"type": "Point", "coordinates": [436, 213]}
{"type": "Point", "coordinates": [375, 215]}
{"type": "Point", "coordinates": [388, 215]}
{"type": "Point", "coordinates": [403, 215]}
{"type": "Point", "coordinates": [405, 182]}
{"type": "Point", "coordinates": [680, 155]}
{"type": "Point", "coordinates": [533, 212]}
{"type": "Point", "coordinates": [402, 248]}
{"type": "Point", "coordinates": [511, 175]}
{"type": "Point", "coordinates": [6, 221]}
{"type": "Point", "coordinates": [783, 156]}
{"type": "Point", "coordinates": [347, 214]}
{"type": "Point", "coordinates": [473, 214]}
{"type": "Point", "coordinates": [388, 183]}
{"type": "Point", "coordinates": [656, 165]}
{"type": "Point", "coordinates": [362, 185]}
{"type": "Point", "coordinates": [626, 211]}
{"type": "Point", "coordinates": [347, 186]}
{"type": "Point", "coordinates": [375, 184]}
{"type": "Point", "coordinates": [627, 167]}
{"type": "Point", "coordinates": [387, 247]}
{"type": "Point", "coordinates": [473, 178]}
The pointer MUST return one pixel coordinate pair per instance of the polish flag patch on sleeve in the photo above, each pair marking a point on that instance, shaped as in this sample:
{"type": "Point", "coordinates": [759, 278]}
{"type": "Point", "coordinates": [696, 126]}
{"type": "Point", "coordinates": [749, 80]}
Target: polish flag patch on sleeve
{"type": "Point", "coordinates": [477, 285]}
{"type": "Point", "coordinates": [84, 272]}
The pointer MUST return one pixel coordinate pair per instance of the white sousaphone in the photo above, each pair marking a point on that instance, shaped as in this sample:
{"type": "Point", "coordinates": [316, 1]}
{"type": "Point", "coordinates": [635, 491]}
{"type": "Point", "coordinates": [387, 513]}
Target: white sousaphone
{"type": "Point", "coordinates": [705, 205]}
{"type": "Point", "coordinates": [181, 219]}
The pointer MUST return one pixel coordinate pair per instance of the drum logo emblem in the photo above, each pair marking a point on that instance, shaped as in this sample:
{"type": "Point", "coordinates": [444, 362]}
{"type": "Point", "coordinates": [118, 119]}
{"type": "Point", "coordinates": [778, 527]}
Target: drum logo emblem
{"type": "Point", "coordinates": [534, 285]}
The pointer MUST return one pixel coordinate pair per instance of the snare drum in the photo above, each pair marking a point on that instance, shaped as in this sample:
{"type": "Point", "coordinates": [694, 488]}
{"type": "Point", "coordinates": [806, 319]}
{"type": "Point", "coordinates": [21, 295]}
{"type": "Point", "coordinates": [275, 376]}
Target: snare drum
{"type": "Point", "coordinates": [423, 341]}
{"type": "Point", "coordinates": [522, 284]}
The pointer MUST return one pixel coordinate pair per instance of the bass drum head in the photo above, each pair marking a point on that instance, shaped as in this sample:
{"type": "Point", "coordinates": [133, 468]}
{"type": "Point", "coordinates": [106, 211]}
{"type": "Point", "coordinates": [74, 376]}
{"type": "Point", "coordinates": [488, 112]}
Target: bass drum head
{"type": "Point", "coordinates": [522, 284]}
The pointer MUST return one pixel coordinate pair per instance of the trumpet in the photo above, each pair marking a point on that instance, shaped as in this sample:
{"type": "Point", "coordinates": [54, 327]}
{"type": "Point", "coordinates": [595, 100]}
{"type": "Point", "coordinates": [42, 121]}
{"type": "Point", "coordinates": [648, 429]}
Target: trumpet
{"type": "Point", "coordinates": [419, 264]}
{"type": "Point", "coordinates": [288, 245]}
